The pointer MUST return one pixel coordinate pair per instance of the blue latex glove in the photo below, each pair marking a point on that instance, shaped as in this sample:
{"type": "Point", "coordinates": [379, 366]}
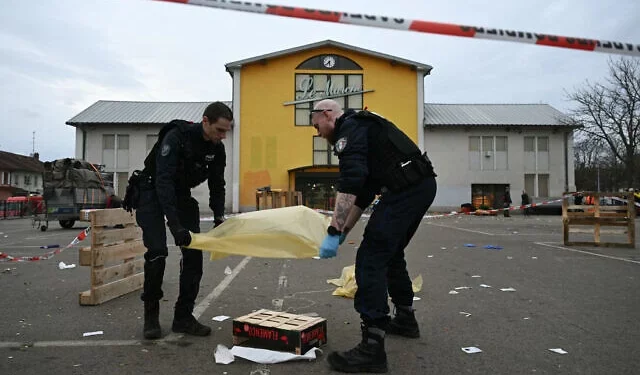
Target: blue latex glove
{"type": "Point", "coordinates": [343, 237]}
{"type": "Point", "coordinates": [329, 246]}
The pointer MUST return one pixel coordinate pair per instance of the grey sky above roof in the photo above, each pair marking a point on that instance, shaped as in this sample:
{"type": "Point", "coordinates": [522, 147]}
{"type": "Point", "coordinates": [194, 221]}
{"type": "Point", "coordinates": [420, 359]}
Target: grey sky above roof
{"type": "Point", "coordinates": [330, 43]}
{"type": "Point", "coordinates": [59, 57]}
{"type": "Point", "coordinates": [491, 114]}
{"type": "Point", "coordinates": [124, 112]}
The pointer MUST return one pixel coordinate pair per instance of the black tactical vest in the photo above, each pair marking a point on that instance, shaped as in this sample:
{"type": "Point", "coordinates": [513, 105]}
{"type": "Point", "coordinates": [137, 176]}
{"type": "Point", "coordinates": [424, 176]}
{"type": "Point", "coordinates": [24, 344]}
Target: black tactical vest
{"type": "Point", "coordinates": [394, 159]}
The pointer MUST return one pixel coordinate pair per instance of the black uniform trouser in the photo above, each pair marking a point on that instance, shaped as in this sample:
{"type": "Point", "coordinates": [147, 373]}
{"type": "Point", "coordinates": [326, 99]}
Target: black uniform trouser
{"type": "Point", "coordinates": [150, 218]}
{"type": "Point", "coordinates": [381, 269]}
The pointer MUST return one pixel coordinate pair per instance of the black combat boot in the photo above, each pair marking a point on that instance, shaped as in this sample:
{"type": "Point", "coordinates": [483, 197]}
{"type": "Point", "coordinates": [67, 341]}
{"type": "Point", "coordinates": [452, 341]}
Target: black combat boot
{"type": "Point", "coordinates": [151, 320]}
{"type": "Point", "coordinates": [404, 323]}
{"type": "Point", "coordinates": [367, 356]}
{"type": "Point", "coordinates": [187, 323]}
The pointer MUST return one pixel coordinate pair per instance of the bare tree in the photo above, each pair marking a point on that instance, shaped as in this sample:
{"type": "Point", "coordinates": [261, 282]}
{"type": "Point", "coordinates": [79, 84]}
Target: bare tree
{"type": "Point", "coordinates": [609, 114]}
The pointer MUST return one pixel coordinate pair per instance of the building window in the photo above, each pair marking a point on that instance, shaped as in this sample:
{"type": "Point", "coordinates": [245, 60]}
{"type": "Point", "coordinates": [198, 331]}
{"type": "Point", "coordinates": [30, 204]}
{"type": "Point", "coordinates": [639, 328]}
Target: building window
{"type": "Point", "coordinates": [543, 185]}
{"type": "Point", "coordinates": [530, 184]}
{"type": "Point", "coordinates": [27, 180]}
{"type": "Point", "coordinates": [536, 153]}
{"type": "Point", "coordinates": [123, 151]}
{"type": "Point", "coordinates": [488, 153]}
{"type": "Point", "coordinates": [311, 88]}
{"type": "Point", "coordinates": [108, 150]}
{"type": "Point", "coordinates": [537, 185]}
{"type": "Point", "coordinates": [112, 143]}
{"type": "Point", "coordinates": [151, 140]}
{"type": "Point", "coordinates": [323, 152]}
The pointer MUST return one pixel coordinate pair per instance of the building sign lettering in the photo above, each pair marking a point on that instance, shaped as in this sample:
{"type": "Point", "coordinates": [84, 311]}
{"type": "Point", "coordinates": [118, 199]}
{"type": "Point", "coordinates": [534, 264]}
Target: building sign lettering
{"type": "Point", "coordinates": [310, 94]}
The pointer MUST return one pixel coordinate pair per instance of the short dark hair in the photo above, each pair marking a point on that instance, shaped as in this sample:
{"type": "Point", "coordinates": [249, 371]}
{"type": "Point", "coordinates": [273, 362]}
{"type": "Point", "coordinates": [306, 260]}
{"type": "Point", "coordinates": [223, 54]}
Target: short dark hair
{"type": "Point", "coordinates": [216, 110]}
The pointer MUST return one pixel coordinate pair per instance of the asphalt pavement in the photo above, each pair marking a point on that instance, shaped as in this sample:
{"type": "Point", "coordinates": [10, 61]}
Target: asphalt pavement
{"type": "Point", "coordinates": [582, 300]}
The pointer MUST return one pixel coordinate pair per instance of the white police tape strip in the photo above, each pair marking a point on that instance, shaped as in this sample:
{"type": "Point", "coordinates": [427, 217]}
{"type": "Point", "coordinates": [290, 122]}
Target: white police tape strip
{"type": "Point", "coordinates": [4, 257]}
{"type": "Point", "coordinates": [584, 44]}
{"type": "Point", "coordinates": [492, 211]}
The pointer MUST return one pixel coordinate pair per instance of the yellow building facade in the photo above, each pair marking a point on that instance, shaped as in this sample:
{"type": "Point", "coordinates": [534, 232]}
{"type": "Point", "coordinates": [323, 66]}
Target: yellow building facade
{"type": "Point", "coordinates": [274, 143]}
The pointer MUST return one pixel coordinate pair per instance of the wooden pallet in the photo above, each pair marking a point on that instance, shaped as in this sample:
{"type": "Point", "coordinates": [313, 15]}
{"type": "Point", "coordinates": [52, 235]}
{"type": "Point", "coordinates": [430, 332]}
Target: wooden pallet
{"type": "Point", "coordinates": [114, 256]}
{"type": "Point", "coordinates": [300, 332]}
{"type": "Point", "coordinates": [595, 216]}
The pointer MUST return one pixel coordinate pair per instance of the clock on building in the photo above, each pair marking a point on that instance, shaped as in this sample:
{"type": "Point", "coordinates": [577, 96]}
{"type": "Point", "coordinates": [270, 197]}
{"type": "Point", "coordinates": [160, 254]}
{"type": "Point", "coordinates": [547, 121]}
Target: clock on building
{"type": "Point", "coordinates": [329, 61]}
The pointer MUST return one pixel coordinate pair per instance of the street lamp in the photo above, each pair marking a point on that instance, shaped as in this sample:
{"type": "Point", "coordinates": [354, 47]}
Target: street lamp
{"type": "Point", "coordinates": [598, 162]}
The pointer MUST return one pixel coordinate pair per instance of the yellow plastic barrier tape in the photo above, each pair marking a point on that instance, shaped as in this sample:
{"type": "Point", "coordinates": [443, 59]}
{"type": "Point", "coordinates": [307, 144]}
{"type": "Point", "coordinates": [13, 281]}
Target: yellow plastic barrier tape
{"type": "Point", "coordinates": [346, 284]}
{"type": "Point", "coordinates": [289, 232]}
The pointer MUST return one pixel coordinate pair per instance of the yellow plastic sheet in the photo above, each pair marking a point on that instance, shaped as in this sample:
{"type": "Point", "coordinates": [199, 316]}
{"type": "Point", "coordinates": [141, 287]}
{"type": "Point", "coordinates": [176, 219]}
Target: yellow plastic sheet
{"type": "Point", "coordinates": [347, 285]}
{"type": "Point", "coordinates": [288, 232]}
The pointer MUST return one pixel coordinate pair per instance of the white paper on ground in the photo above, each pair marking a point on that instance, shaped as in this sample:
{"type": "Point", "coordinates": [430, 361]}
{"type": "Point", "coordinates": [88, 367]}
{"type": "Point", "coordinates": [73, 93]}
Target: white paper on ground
{"type": "Point", "coordinates": [471, 350]}
{"type": "Point", "coordinates": [223, 355]}
{"type": "Point", "coordinates": [476, 276]}
{"type": "Point", "coordinates": [559, 351]}
{"type": "Point", "coordinates": [507, 289]}
{"type": "Point", "coordinates": [485, 286]}
{"type": "Point", "coordinates": [466, 314]}
{"type": "Point", "coordinates": [265, 356]}
{"type": "Point", "coordinates": [462, 287]}
{"type": "Point", "coordinates": [227, 271]}
{"type": "Point", "coordinates": [92, 333]}
{"type": "Point", "coordinates": [63, 266]}
{"type": "Point", "coordinates": [220, 318]}
{"type": "Point", "coordinates": [416, 298]}
{"type": "Point", "coordinates": [453, 292]}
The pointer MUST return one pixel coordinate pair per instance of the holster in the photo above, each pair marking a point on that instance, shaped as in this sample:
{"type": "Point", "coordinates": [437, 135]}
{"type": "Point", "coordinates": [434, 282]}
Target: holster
{"type": "Point", "coordinates": [132, 194]}
{"type": "Point", "coordinates": [409, 173]}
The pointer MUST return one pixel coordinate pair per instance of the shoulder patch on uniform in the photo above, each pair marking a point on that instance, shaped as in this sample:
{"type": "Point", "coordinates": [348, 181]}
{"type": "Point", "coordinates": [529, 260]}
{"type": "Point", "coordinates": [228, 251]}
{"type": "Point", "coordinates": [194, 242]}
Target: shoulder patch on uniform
{"type": "Point", "coordinates": [209, 157]}
{"type": "Point", "coordinates": [341, 144]}
{"type": "Point", "coordinates": [165, 150]}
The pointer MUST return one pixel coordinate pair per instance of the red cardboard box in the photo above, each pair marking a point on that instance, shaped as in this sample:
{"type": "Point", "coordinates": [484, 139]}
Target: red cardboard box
{"type": "Point", "coordinates": [280, 331]}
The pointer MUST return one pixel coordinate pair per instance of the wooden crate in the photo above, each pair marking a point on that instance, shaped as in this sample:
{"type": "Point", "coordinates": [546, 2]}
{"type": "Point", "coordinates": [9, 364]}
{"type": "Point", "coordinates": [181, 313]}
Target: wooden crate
{"type": "Point", "coordinates": [280, 331]}
{"type": "Point", "coordinates": [115, 256]}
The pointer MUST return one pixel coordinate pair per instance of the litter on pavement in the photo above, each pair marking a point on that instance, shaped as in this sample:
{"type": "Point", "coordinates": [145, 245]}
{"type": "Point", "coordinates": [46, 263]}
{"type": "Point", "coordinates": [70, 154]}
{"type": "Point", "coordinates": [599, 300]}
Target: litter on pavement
{"type": "Point", "coordinates": [94, 333]}
{"type": "Point", "coordinates": [224, 356]}
{"type": "Point", "coordinates": [471, 350]}
{"type": "Point", "coordinates": [493, 247]}
{"type": "Point", "coordinates": [220, 318]}
{"type": "Point", "coordinates": [559, 351]}
{"type": "Point", "coordinates": [64, 266]}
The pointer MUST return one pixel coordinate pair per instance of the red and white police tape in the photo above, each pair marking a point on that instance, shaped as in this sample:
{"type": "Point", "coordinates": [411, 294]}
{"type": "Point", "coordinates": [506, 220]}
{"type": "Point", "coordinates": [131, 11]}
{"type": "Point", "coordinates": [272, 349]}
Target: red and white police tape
{"type": "Point", "coordinates": [4, 257]}
{"type": "Point", "coordinates": [456, 213]}
{"type": "Point", "coordinates": [450, 29]}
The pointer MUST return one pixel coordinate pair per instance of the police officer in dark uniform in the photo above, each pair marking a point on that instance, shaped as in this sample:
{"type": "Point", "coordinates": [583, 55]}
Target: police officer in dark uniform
{"type": "Point", "coordinates": [184, 156]}
{"type": "Point", "coordinates": [376, 157]}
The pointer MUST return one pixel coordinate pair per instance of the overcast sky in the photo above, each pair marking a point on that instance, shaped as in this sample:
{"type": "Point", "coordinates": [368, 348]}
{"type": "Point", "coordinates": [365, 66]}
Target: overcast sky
{"type": "Point", "coordinates": [57, 57]}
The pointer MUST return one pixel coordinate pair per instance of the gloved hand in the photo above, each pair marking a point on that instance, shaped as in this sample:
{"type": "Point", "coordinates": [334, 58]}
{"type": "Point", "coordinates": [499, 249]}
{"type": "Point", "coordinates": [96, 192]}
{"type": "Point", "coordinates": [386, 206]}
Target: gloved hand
{"type": "Point", "coordinates": [329, 246]}
{"type": "Point", "coordinates": [181, 235]}
{"type": "Point", "coordinates": [217, 221]}
{"type": "Point", "coordinates": [343, 237]}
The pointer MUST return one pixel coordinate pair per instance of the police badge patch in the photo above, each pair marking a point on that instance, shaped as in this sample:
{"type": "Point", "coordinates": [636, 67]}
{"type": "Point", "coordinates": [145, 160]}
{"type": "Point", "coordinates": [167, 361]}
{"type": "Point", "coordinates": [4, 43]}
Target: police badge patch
{"type": "Point", "coordinates": [165, 150]}
{"type": "Point", "coordinates": [341, 144]}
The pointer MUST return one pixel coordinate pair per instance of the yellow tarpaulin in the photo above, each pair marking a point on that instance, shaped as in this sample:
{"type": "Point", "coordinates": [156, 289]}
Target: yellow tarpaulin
{"type": "Point", "coordinates": [288, 232]}
{"type": "Point", "coordinates": [346, 284]}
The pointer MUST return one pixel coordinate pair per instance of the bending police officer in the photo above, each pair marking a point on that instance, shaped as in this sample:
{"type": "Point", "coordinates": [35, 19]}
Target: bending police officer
{"type": "Point", "coordinates": [184, 156]}
{"type": "Point", "coordinates": [375, 157]}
